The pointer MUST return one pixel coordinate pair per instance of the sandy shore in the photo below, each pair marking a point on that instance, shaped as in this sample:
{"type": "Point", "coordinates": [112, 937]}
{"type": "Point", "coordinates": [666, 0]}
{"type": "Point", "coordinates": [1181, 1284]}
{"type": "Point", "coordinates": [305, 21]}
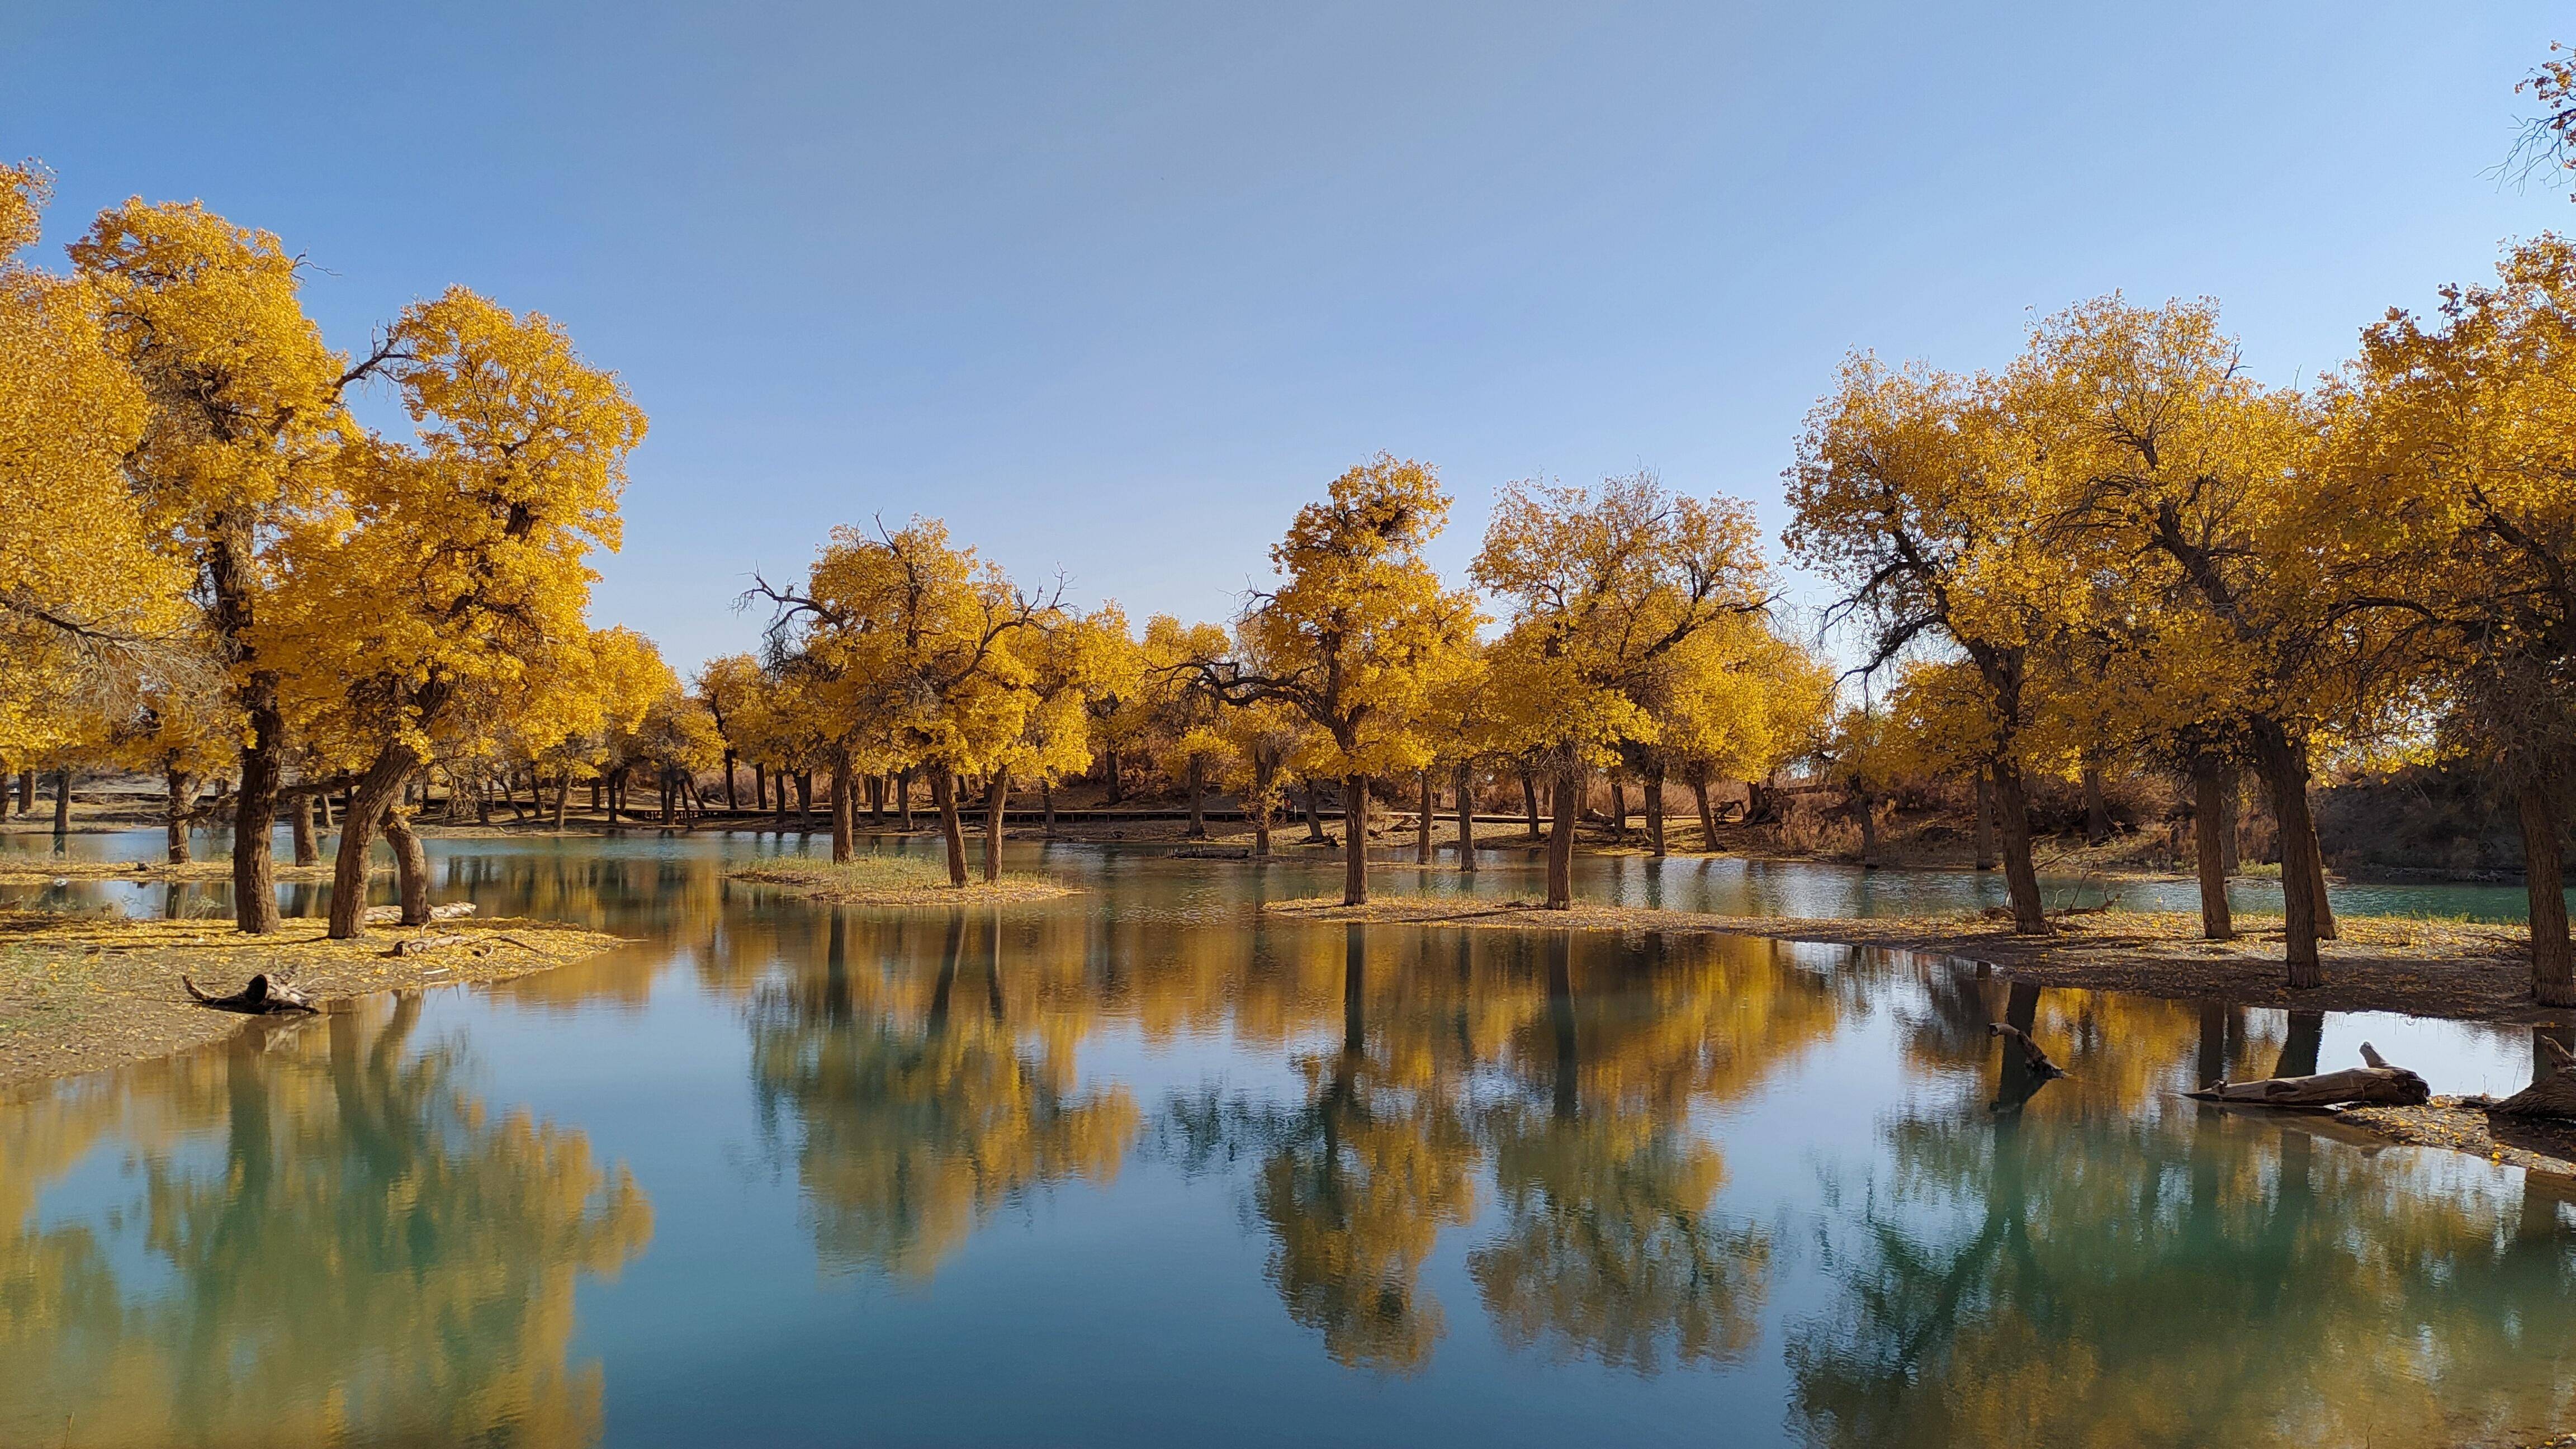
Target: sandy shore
{"type": "Point", "coordinates": [81, 992]}
{"type": "Point", "coordinates": [2476, 972]}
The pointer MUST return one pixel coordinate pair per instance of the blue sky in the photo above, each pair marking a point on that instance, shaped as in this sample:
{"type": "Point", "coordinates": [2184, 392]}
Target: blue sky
{"type": "Point", "coordinates": [1114, 288]}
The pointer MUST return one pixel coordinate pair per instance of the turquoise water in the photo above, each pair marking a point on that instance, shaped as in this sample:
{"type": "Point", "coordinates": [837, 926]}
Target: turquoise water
{"type": "Point", "coordinates": [1139, 1166]}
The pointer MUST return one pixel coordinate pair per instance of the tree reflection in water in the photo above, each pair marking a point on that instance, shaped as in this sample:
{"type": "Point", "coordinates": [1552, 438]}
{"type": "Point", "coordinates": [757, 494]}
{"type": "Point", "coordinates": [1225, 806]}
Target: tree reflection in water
{"type": "Point", "coordinates": [911, 1115]}
{"type": "Point", "coordinates": [343, 1247]}
{"type": "Point", "coordinates": [2129, 1269]}
{"type": "Point", "coordinates": [1457, 1061]}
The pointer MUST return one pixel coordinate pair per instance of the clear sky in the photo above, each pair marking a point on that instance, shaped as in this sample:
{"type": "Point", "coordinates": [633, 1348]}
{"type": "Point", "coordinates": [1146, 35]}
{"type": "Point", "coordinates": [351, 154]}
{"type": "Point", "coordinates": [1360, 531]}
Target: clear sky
{"type": "Point", "coordinates": [1114, 287]}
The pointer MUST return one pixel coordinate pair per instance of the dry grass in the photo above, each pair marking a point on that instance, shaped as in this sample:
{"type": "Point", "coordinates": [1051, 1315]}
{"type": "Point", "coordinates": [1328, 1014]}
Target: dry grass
{"type": "Point", "coordinates": [890, 880]}
{"type": "Point", "coordinates": [2423, 967]}
{"type": "Point", "coordinates": [79, 992]}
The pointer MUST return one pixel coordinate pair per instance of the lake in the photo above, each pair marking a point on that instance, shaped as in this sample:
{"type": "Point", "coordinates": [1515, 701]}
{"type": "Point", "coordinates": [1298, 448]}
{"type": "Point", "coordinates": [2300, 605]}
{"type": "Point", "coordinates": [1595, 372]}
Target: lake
{"type": "Point", "coordinates": [1141, 1167]}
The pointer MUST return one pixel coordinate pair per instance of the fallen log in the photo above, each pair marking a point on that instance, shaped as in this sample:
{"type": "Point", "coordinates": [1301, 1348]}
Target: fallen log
{"type": "Point", "coordinates": [2376, 1084]}
{"type": "Point", "coordinates": [261, 997]}
{"type": "Point", "coordinates": [392, 915]}
{"type": "Point", "coordinates": [2031, 1055]}
{"type": "Point", "coordinates": [2553, 1094]}
{"type": "Point", "coordinates": [416, 945]}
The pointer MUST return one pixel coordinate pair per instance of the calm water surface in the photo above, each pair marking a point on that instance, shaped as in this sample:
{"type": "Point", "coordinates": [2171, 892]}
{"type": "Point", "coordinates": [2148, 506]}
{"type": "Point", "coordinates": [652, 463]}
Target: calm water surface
{"type": "Point", "coordinates": [1139, 1167]}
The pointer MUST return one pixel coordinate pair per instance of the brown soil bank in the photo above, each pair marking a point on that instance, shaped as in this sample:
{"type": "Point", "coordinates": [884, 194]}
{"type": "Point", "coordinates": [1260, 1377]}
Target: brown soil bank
{"type": "Point", "coordinates": [2422, 968]}
{"type": "Point", "coordinates": [81, 992]}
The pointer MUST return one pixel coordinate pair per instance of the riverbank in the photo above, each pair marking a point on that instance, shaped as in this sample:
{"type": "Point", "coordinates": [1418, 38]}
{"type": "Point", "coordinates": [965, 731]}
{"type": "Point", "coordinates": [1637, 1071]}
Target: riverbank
{"type": "Point", "coordinates": [36, 870]}
{"type": "Point", "coordinates": [2421, 968]}
{"type": "Point", "coordinates": [83, 992]}
{"type": "Point", "coordinates": [889, 880]}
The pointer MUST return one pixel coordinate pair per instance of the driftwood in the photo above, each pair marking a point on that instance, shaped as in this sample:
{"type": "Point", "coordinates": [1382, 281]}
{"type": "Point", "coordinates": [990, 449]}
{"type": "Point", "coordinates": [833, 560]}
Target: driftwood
{"type": "Point", "coordinates": [2377, 1084]}
{"type": "Point", "coordinates": [2553, 1094]}
{"type": "Point", "coordinates": [415, 945]}
{"type": "Point", "coordinates": [392, 915]}
{"type": "Point", "coordinates": [260, 997]}
{"type": "Point", "coordinates": [2032, 1057]}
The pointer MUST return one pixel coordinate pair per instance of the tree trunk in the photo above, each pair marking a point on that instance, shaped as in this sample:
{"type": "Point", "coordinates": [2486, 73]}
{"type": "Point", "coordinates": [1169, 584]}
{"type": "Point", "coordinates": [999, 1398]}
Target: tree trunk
{"type": "Point", "coordinates": [308, 850]}
{"type": "Point", "coordinates": [2307, 1033]}
{"type": "Point", "coordinates": [843, 825]}
{"type": "Point", "coordinates": [1264, 790]}
{"type": "Point", "coordinates": [411, 868]}
{"type": "Point", "coordinates": [876, 799]}
{"type": "Point", "coordinates": [2208, 826]}
{"type": "Point", "coordinates": [1618, 809]}
{"type": "Point", "coordinates": [759, 786]}
{"type": "Point", "coordinates": [255, 812]}
{"type": "Point", "coordinates": [903, 794]}
{"type": "Point", "coordinates": [1197, 782]}
{"type": "Point", "coordinates": [26, 792]}
{"type": "Point", "coordinates": [563, 799]}
{"type": "Point", "coordinates": [1655, 810]}
{"type": "Point", "coordinates": [1985, 819]}
{"type": "Point", "coordinates": [943, 794]}
{"type": "Point", "coordinates": [997, 796]}
{"type": "Point", "coordinates": [2377, 1083]}
{"type": "Point", "coordinates": [2553, 982]}
{"type": "Point", "coordinates": [1564, 789]}
{"type": "Point", "coordinates": [732, 802]}
{"type": "Point", "coordinates": [1865, 810]}
{"type": "Point", "coordinates": [2097, 812]}
{"type": "Point", "coordinates": [1465, 785]}
{"type": "Point", "coordinates": [1759, 806]}
{"type": "Point", "coordinates": [183, 793]}
{"type": "Point", "coordinates": [805, 795]}
{"type": "Point", "coordinates": [1355, 807]}
{"type": "Point", "coordinates": [1529, 803]}
{"type": "Point", "coordinates": [1117, 792]}
{"type": "Point", "coordinates": [2284, 767]}
{"type": "Point", "coordinates": [63, 801]}
{"type": "Point", "coordinates": [2230, 795]}
{"type": "Point", "coordinates": [2552, 1092]}
{"type": "Point", "coordinates": [374, 793]}
{"type": "Point", "coordinates": [1427, 806]}
{"type": "Point", "coordinates": [1046, 803]}
{"type": "Point", "coordinates": [668, 788]}
{"type": "Point", "coordinates": [1314, 812]}
{"type": "Point", "coordinates": [2021, 878]}
{"type": "Point", "coordinates": [1707, 817]}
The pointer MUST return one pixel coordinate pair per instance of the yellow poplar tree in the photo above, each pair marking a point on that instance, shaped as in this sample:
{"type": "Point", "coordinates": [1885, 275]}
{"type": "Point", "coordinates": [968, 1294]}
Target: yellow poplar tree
{"type": "Point", "coordinates": [1911, 492]}
{"type": "Point", "coordinates": [243, 422]}
{"type": "Point", "coordinates": [460, 561]}
{"type": "Point", "coordinates": [920, 645]}
{"type": "Point", "coordinates": [2191, 486]}
{"type": "Point", "coordinates": [2454, 492]}
{"type": "Point", "coordinates": [1604, 588]}
{"type": "Point", "coordinates": [1358, 634]}
{"type": "Point", "coordinates": [727, 686]}
{"type": "Point", "coordinates": [81, 588]}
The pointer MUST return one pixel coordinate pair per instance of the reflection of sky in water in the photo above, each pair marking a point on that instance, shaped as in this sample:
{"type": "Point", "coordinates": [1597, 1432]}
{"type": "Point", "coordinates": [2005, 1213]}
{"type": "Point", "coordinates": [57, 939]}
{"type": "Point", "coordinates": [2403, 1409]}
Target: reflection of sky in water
{"type": "Point", "coordinates": [1107, 1176]}
{"type": "Point", "coordinates": [1723, 884]}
